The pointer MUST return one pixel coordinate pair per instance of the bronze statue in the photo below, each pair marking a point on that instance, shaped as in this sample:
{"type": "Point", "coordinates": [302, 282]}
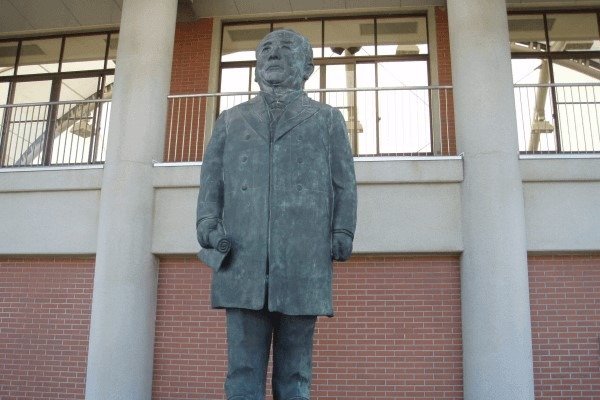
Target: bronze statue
{"type": "Point", "coordinates": [277, 204]}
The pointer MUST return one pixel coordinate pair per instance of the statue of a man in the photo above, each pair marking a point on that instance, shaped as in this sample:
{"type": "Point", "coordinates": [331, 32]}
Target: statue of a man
{"type": "Point", "coordinates": [278, 198]}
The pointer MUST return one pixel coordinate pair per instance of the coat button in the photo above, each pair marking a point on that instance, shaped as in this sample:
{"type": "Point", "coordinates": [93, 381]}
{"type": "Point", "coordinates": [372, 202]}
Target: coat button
{"type": "Point", "coordinates": [247, 136]}
{"type": "Point", "coordinates": [300, 160]}
{"type": "Point", "coordinates": [299, 138]}
{"type": "Point", "coordinates": [244, 159]}
{"type": "Point", "coordinates": [299, 187]}
{"type": "Point", "coordinates": [244, 187]}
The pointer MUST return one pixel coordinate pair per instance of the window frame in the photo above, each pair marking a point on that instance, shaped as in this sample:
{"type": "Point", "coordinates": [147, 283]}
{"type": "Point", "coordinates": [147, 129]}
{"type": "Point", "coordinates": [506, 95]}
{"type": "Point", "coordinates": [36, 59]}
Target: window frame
{"type": "Point", "coordinates": [56, 79]}
{"type": "Point", "coordinates": [323, 61]}
{"type": "Point", "coordinates": [550, 55]}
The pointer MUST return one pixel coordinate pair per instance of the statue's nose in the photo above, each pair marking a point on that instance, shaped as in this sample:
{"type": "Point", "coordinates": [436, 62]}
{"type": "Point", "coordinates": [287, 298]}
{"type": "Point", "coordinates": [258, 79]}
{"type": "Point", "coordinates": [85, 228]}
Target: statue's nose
{"type": "Point", "coordinates": [275, 54]}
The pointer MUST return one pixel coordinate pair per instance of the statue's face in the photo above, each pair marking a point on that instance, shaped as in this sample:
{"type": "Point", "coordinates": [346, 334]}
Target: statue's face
{"type": "Point", "coordinates": [280, 61]}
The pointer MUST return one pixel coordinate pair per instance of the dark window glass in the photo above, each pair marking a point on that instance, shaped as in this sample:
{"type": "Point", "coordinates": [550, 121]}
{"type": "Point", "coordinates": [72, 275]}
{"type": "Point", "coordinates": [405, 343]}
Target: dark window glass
{"type": "Point", "coordinates": [8, 56]}
{"type": "Point", "coordinates": [526, 33]}
{"type": "Point", "coordinates": [84, 53]}
{"type": "Point", "coordinates": [402, 36]}
{"type": "Point", "coordinates": [347, 38]}
{"type": "Point", "coordinates": [112, 50]}
{"type": "Point", "coordinates": [39, 56]}
{"type": "Point", "coordinates": [309, 29]}
{"type": "Point", "coordinates": [573, 32]}
{"type": "Point", "coordinates": [240, 41]}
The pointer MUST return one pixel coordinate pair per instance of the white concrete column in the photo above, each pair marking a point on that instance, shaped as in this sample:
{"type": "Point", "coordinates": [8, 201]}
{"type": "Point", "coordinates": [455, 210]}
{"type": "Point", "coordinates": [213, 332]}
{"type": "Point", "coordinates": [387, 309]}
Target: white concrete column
{"type": "Point", "coordinates": [121, 342]}
{"type": "Point", "coordinates": [496, 325]}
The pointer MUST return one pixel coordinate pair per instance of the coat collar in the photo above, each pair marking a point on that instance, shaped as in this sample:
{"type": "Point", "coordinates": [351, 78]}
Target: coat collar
{"type": "Point", "coordinates": [256, 115]}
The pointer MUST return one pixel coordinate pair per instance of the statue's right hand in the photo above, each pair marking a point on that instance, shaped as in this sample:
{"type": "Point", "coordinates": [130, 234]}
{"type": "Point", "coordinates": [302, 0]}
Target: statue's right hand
{"type": "Point", "coordinates": [207, 227]}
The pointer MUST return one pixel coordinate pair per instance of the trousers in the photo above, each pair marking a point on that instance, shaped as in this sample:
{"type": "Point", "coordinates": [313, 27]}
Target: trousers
{"type": "Point", "coordinates": [249, 337]}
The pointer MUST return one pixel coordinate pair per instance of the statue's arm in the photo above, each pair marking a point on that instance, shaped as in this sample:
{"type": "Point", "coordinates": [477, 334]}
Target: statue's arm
{"type": "Point", "coordinates": [210, 198]}
{"type": "Point", "coordinates": [344, 189]}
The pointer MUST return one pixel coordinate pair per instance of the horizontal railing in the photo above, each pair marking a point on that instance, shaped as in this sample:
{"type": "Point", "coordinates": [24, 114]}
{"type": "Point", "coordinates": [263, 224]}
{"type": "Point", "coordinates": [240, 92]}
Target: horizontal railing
{"type": "Point", "coordinates": [54, 133]}
{"type": "Point", "coordinates": [381, 121]}
{"type": "Point", "coordinates": [551, 118]}
{"type": "Point", "coordinates": [558, 118]}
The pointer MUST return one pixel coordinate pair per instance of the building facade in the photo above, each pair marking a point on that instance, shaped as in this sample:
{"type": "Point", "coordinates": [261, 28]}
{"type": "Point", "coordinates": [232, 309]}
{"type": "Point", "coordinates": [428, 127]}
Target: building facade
{"type": "Point", "coordinates": [475, 128]}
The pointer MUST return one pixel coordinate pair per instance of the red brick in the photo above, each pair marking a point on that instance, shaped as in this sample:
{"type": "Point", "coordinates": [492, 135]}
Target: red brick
{"type": "Point", "coordinates": [565, 316]}
{"type": "Point", "coordinates": [189, 75]}
{"type": "Point", "coordinates": [44, 315]}
{"type": "Point", "coordinates": [373, 348]}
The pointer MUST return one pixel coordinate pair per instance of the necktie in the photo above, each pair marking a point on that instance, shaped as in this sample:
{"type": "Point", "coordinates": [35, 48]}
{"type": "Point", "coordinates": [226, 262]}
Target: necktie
{"type": "Point", "coordinates": [277, 108]}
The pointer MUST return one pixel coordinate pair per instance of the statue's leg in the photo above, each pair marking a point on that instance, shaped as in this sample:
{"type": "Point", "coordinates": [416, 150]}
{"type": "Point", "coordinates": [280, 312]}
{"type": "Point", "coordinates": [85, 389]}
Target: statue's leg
{"type": "Point", "coordinates": [292, 356]}
{"type": "Point", "coordinates": [248, 344]}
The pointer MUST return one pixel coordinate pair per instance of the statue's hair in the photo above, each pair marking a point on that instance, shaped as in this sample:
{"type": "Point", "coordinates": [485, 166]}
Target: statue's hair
{"type": "Point", "coordinates": [304, 43]}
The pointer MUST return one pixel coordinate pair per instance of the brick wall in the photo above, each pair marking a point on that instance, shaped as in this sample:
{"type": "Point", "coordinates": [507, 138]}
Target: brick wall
{"type": "Point", "coordinates": [396, 333]}
{"type": "Point", "coordinates": [565, 314]}
{"type": "Point", "coordinates": [44, 327]}
{"type": "Point", "coordinates": [448, 136]}
{"type": "Point", "coordinates": [189, 75]}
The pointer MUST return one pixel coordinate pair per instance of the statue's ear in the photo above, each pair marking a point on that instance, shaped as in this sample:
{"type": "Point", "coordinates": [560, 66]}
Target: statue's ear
{"type": "Point", "coordinates": [308, 70]}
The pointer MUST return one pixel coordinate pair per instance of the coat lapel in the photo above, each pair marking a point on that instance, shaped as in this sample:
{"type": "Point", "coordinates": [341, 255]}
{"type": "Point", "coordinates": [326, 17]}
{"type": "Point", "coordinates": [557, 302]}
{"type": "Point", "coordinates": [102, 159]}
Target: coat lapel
{"type": "Point", "coordinates": [299, 110]}
{"type": "Point", "coordinates": [257, 117]}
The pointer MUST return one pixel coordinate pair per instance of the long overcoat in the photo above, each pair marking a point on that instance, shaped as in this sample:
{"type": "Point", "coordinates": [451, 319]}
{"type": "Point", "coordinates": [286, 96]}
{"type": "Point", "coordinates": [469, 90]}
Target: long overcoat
{"type": "Point", "coordinates": [280, 195]}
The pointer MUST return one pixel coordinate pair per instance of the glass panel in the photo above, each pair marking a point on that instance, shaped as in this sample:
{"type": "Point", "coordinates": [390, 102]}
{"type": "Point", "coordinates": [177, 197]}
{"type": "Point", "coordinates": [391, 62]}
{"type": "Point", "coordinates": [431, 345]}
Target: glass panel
{"type": "Point", "coordinates": [4, 92]}
{"type": "Point", "coordinates": [253, 84]}
{"type": "Point", "coordinates": [353, 37]}
{"type": "Point", "coordinates": [576, 70]}
{"type": "Point", "coordinates": [8, 54]}
{"type": "Point", "coordinates": [337, 76]}
{"type": "Point", "coordinates": [530, 71]}
{"type": "Point", "coordinates": [533, 105]}
{"type": "Point", "coordinates": [112, 50]}
{"type": "Point", "coordinates": [363, 131]}
{"type": "Point", "coordinates": [314, 81]}
{"type": "Point", "coordinates": [79, 89]}
{"type": "Point", "coordinates": [3, 99]}
{"type": "Point", "coordinates": [32, 92]}
{"type": "Point", "coordinates": [341, 77]}
{"type": "Point", "coordinates": [404, 118]}
{"type": "Point", "coordinates": [39, 56]}
{"type": "Point", "coordinates": [526, 33]}
{"type": "Point", "coordinates": [402, 36]}
{"type": "Point", "coordinates": [240, 41]}
{"type": "Point", "coordinates": [311, 30]}
{"type": "Point", "coordinates": [573, 32]}
{"type": "Point", "coordinates": [84, 53]}
{"type": "Point", "coordinates": [108, 86]}
{"type": "Point", "coordinates": [578, 105]}
{"type": "Point", "coordinates": [25, 140]}
{"type": "Point", "coordinates": [234, 80]}
{"type": "Point", "coordinates": [402, 73]}
{"type": "Point", "coordinates": [75, 122]}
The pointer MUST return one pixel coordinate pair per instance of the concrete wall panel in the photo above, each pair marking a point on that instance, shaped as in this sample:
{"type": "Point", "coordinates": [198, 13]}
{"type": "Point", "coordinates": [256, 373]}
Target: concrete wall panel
{"type": "Point", "coordinates": [404, 206]}
{"type": "Point", "coordinates": [562, 216]}
{"type": "Point", "coordinates": [56, 222]}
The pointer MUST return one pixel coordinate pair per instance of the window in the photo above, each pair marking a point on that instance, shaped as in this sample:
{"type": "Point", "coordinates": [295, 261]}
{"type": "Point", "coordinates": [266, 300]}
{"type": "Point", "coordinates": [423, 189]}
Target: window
{"type": "Point", "coordinates": [45, 84]}
{"type": "Point", "coordinates": [556, 70]}
{"type": "Point", "coordinates": [387, 57]}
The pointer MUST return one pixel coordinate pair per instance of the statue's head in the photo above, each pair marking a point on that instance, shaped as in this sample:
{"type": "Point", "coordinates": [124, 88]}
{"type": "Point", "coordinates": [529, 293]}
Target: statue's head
{"type": "Point", "coordinates": [283, 59]}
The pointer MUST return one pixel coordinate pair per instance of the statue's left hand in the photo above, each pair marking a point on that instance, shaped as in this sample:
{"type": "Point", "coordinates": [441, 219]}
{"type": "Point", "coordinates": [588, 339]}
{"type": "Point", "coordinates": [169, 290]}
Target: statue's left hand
{"type": "Point", "coordinates": [341, 246]}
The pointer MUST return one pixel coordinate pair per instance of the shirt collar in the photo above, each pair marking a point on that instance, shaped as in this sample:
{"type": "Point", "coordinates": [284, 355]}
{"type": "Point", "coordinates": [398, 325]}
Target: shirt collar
{"type": "Point", "coordinates": [280, 100]}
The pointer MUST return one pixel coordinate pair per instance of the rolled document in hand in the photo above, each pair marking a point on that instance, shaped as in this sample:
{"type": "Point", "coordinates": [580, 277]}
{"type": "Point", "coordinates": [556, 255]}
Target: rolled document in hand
{"type": "Point", "coordinates": [219, 242]}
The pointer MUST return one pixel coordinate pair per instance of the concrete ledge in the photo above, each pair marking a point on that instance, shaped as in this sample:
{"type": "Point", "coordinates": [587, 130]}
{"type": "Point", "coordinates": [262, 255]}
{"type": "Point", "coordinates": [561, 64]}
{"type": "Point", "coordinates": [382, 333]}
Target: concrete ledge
{"type": "Point", "coordinates": [560, 168]}
{"type": "Point", "coordinates": [46, 179]}
{"type": "Point", "coordinates": [369, 170]}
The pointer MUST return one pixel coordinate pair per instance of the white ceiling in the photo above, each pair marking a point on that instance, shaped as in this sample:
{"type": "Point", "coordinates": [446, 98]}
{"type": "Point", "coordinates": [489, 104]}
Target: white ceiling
{"type": "Point", "coordinates": [30, 16]}
{"type": "Point", "coordinates": [22, 16]}
{"type": "Point", "coordinates": [211, 8]}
